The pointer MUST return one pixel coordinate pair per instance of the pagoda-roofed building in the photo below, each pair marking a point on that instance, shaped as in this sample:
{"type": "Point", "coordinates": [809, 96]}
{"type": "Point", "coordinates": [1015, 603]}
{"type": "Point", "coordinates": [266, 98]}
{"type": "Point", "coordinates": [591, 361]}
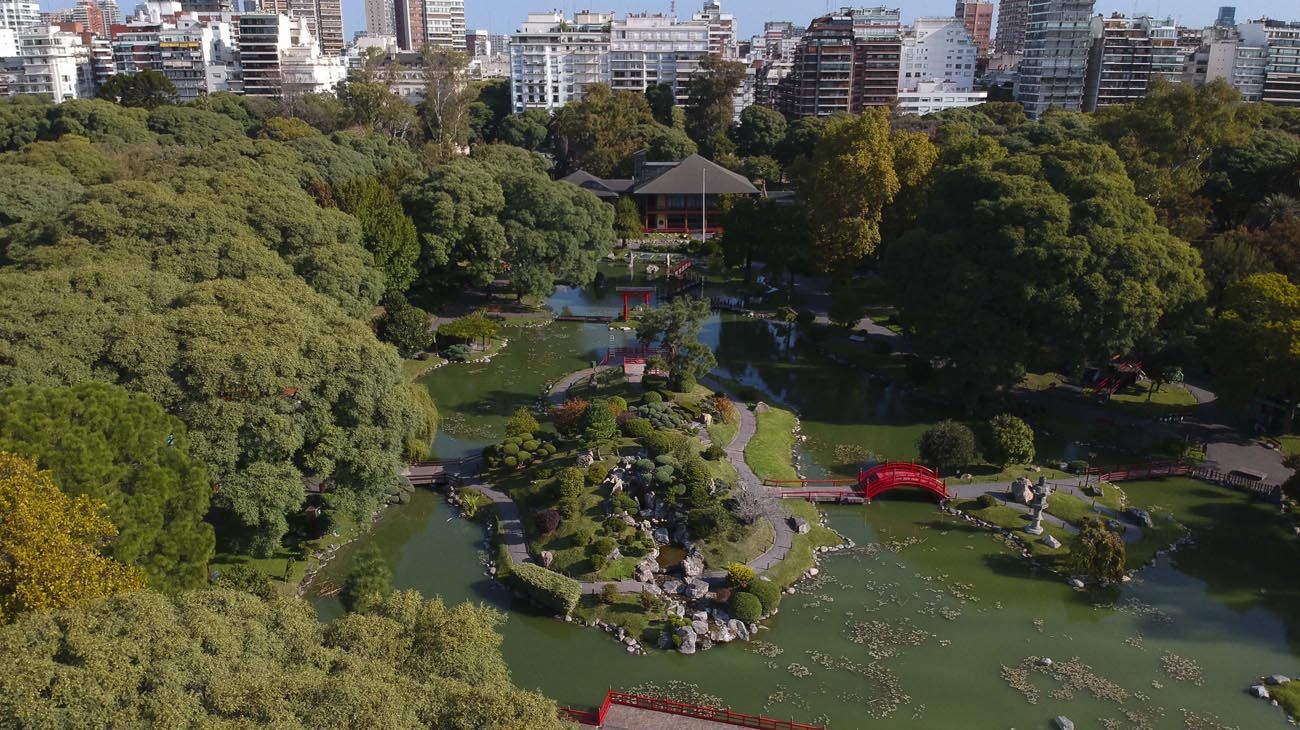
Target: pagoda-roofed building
{"type": "Point", "coordinates": [673, 197]}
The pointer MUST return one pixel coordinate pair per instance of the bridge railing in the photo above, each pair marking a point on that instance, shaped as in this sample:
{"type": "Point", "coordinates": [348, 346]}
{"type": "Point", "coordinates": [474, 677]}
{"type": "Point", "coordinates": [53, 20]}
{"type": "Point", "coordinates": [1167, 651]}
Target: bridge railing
{"type": "Point", "coordinates": [713, 714]}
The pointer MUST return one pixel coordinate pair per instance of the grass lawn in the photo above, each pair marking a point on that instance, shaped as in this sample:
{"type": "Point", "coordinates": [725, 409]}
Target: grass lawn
{"type": "Point", "coordinates": [800, 557]}
{"type": "Point", "coordinates": [1288, 696]}
{"type": "Point", "coordinates": [1013, 519]}
{"type": "Point", "coordinates": [285, 568]}
{"type": "Point", "coordinates": [413, 370]}
{"type": "Point", "coordinates": [1035, 382]}
{"type": "Point", "coordinates": [738, 546]}
{"type": "Point", "coordinates": [1290, 445]}
{"type": "Point", "coordinates": [1171, 398]}
{"type": "Point", "coordinates": [625, 611]}
{"type": "Point", "coordinates": [771, 450]}
{"type": "Point", "coordinates": [722, 433]}
{"type": "Point", "coordinates": [1071, 508]}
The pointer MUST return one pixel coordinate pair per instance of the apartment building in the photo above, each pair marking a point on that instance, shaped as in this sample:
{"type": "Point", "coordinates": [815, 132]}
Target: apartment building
{"type": "Point", "coordinates": [1058, 40]}
{"type": "Point", "coordinates": [645, 50]}
{"type": "Point", "coordinates": [19, 14]}
{"type": "Point", "coordinates": [844, 62]}
{"type": "Point", "coordinates": [55, 64]}
{"type": "Point", "coordinates": [722, 29]}
{"type": "Point", "coordinates": [1282, 72]}
{"type": "Point", "coordinates": [553, 60]}
{"type": "Point", "coordinates": [937, 67]}
{"type": "Point", "coordinates": [977, 17]}
{"type": "Point", "coordinates": [1013, 22]}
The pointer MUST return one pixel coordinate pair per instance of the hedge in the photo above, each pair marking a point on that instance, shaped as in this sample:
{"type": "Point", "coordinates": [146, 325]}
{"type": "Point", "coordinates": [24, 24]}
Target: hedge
{"type": "Point", "coordinates": [767, 593]}
{"type": "Point", "coordinates": [547, 587]}
{"type": "Point", "coordinates": [746, 606]}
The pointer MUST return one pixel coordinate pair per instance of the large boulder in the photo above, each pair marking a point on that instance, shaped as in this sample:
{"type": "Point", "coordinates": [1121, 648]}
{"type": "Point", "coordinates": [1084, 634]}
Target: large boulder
{"type": "Point", "coordinates": [693, 566]}
{"type": "Point", "coordinates": [722, 635]}
{"type": "Point", "coordinates": [739, 629]}
{"type": "Point", "coordinates": [672, 586]}
{"type": "Point", "coordinates": [1139, 517]}
{"type": "Point", "coordinates": [1259, 691]}
{"type": "Point", "coordinates": [800, 525]}
{"type": "Point", "coordinates": [1276, 679]}
{"type": "Point", "coordinates": [695, 589]}
{"type": "Point", "coordinates": [680, 535]}
{"type": "Point", "coordinates": [644, 572]}
{"type": "Point", "coordinates": [700, 628]}
{"type": "Point", "coordinates": [660, 535]}
{"type": "Point", "coordinates": [687, 636]}
{"type": "Point", "coordinates": [1051, 542]}
{"type": "Point", "coordinates": [586, 460]}
{"type": "Point", "coordinates": [1022, 490]}
{"type": "Point", "coordinates": [1063, 723]}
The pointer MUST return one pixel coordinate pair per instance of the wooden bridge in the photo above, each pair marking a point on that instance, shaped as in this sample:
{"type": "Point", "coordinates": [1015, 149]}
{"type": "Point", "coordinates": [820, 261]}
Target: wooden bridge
{"type": "Point", "coordinates": [871, 483]}
{"type": "Point", "coordinates": [627, 711]}
{"type": "Point", "coordinates": [438, 472]}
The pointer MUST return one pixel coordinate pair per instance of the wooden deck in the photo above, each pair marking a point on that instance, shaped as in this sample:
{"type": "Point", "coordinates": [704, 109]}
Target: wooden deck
{"type": "Point", "coordinates": [621, 717]}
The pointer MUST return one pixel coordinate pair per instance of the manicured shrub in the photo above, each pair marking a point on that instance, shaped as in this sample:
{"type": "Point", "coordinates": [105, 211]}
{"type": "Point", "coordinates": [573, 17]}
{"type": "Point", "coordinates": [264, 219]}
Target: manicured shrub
{"type": "Point", "coordinates": [609, 594]}
{"type": "Point", "coordinates": [510, 449]}
{"type": "Point", "coordinates": [525, 457]}
{"type": "Point", "coordinates": [705, 522]}
{"type": "Point", "coordinates": [548, 521]}
{"type": "Point", "coordinates": [644, 466]}
{"type": "Point", "coordinates": [667, 460]}
{"type": "Point", "coordinates": [715, 453]}
{"type": "Point", "coordinates": [767, 593]}
{"type": "Point", "coordinates": [1011, 441]}
{"type": "Point", "coordinates": [602, 546]}
{"type": "Point", "coordinates": [549, 449]}
{"type": "Point", "coordinates": [573, 482]}
{"type": "Point", "coordinates": [686, 383]}
{"type": "Point", "coordinates": [596, 473]}
{"type": "Point", "coordinates": [652, 397]}
{"type": "Point", "coordinates": [947, 445]}
{"type": "Point", "coordinates": [555, 591]}
{"type": "Point", "coordinates": [663, 475]}
{"type": "Point", "coordinates": [584, 535]}
{"type": "Point", "coordinates": [637, 428]}
{"type": "Point", "coordinates": [616, 404]}
{"type": "Point", "coordinates": [746, 606]}
{"type": "Point", "coordinates": [625, 503]}
{"type": "Point", "coordinates": [598, 562]}
{"type": "Point", "coordinates": [739, 574]}
{"type": "Point", "coordinates": [522, 423]}
{"type": "Point", "coordinates": [457, 353]}
{"type": "Point", "coordinates": [531, 445]}
{"type": "Point", "coordinates": [510, 462]}
{"type": "Point", "coordinates": [986, 500]}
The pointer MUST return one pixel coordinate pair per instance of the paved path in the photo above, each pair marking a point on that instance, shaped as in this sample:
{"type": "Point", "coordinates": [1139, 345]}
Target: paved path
{"type": "Point", "coordinates": [1132, 533]}
{"type": "Point", "coordinates": [783, 535]}
{"type": "Point", "coordinates": [560, 391]}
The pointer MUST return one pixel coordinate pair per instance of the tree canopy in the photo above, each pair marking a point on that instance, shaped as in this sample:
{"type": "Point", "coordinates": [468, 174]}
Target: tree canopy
{"type": "Point", "coordinates": [675, 327]}
{"type": "Point", "coordinates": [51, 543]}
{"type": "Point", "coordinates": [124, 450]}
{"type": "Point", "coordinates": [226, 659]}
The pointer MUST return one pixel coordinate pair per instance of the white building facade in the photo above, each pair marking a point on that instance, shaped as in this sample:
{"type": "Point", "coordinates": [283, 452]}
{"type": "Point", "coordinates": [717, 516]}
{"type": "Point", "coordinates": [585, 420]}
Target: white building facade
{"type": "Point", "coordinates": [55, 64]}
{"type": "Point", "coordinates": [19, 14]}
{"type": "Point", "coordinates": [645, 50]}
{"type": "Point", "coordinates": [936, 69]}
{"type": "Point", "coordinates": [553, 61]}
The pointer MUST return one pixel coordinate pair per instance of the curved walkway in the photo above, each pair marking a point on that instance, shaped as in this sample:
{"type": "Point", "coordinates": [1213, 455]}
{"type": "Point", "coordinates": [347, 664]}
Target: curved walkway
{"type": "Point", "coordinates": [560, 391]}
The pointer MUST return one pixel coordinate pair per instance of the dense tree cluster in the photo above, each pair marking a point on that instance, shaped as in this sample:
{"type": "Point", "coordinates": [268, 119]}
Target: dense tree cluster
{"type": "Point", "coordinates": [226, 659]}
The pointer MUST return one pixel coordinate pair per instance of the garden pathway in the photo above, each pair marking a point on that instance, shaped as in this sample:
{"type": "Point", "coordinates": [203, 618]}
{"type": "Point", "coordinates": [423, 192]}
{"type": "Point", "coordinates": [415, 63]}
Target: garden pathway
{"type": "Point", "coordinates": [560, 391]}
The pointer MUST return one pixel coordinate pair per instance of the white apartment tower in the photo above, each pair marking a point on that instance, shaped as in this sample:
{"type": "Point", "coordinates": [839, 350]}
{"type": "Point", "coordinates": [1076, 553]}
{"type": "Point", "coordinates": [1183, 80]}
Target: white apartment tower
{"type": "Point", "coordinates": [553, 60]}
{"type": "Point", "coordinates": [645, 50]}
{"type": "Point", "coordinates": [19, 14]}
{"type": "Point", "coordinates": [936, 69]}
{"type": "Point", "coordinates": [55, 64]}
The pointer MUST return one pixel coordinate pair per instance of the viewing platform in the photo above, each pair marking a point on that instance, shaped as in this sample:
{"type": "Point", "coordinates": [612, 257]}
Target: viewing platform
{"type": "Point", "coordinates": [626, 711]}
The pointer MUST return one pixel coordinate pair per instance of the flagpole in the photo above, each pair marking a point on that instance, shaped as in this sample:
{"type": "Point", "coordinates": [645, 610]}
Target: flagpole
{"type": "Point", "coordinates": [704, 207]}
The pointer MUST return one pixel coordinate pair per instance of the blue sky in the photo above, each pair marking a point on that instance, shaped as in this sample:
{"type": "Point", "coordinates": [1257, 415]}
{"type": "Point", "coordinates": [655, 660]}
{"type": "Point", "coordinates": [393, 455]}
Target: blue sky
{"type": "Point", "coordinates": [502, 16]}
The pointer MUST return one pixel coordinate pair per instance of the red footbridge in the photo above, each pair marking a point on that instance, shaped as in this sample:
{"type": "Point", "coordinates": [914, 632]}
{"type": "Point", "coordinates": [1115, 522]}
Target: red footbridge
{"type": "Point", "coordinates": [871, 483]}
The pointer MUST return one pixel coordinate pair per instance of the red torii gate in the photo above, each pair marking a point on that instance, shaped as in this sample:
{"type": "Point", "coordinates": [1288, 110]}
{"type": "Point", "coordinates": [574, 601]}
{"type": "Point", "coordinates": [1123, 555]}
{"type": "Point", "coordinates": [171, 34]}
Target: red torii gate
{"type": "Point", "coordinates": [630, 291]}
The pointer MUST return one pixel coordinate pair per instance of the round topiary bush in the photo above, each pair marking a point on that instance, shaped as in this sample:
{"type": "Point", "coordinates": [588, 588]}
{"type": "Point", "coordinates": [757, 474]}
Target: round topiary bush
{"type": "Point", "coordinates": [667, 460]}
{"type": "Point", "coordinates": [644, 466]}
{"type": "Point", "coordinates": [767, 593]}
{"type": "Point", "coordinates": [510, 449]}
{"type": "Point", "coordinates": [549, 449]}
{"type": "Point", "coordinates": [638, 428]}
{"type": "Point", "coordinates": [715, 453]}
{"type": "Point", "coordinates": [602, 546]}
{"type": "Point", "coordinates": [510, 462]}
{"type": "Point", "coordinates": [986, 500]}
{"type": "Point", "coordinates": [652, 397]}
{"type": "Point", "coordinates": [531, 445]}
{"type": "Point", "coordinates": [524, 457]}
{"type": "Point", "coordinates": [746, 606]}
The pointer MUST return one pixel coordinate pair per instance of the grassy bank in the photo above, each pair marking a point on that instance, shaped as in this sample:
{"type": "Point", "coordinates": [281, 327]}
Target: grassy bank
{"type": "Point", "coordinates": [800, 557]}
{"type": "Point", "coordinates": [771, 451]}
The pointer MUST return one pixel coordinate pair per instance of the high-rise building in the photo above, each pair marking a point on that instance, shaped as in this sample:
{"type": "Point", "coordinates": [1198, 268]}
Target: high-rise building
{"type": "Point", "coordinates": [1282, 74]}
{"type": "Point", "coordinates": [262, 36]}
{"type": "Point", "coordinates": [844, 62]}
{"type": "Point", "coordinates": [198, 57]}
{"type": "Point", "coordinates": [19, 14]}
{"type": "Point", "coordinates": [554, 60]}
{"type": "Point", "coordinates": [1236, 54]}
{"type": "Point", "coordinates": [91, 17]}
{"type": "Point", "coordinates": [722, 29]}
{"type": "Point", "coordinates": [1013, 20]}
{"type": "Point", "coordinates": [937, 67]}
{"type": "Point", "coordinates": [977, 17]}
{"type": "Point", "coordinates": [1057, 43]}
{"type": "Point", "coordinates": [646, 50]}
{"type": "Point", "coordinates": [780, 38]}
{"type": "Point", "coordinates": [329, 26]}
{"type": "Point", "coordinates": [478, 43]}
{"type": "Point", "coordinates": [1227, 17]}
{"type": "Point", "coordinates": [1119, 62]}
{"type": "Point", "coordinates": [381, 18]}
{"type": "Point", "coordinates": [444, 24]}
{"type": "Point", "coordinates": [112, 13]}
{"type": "Point", "coordinates": [56, 64]}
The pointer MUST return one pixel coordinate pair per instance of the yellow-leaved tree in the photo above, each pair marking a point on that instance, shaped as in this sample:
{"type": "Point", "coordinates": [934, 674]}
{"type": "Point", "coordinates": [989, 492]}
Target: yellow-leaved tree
{"type": "Point", "coordinates": [49, 544]}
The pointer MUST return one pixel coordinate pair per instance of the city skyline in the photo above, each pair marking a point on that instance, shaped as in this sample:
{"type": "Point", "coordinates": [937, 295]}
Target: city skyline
{"type": "Point", "coordinates": [504, 16]}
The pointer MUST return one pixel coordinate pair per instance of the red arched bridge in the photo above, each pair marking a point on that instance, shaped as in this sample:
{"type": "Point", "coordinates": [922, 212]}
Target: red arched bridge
{"type": "Point", "coordinates": [871, 483]}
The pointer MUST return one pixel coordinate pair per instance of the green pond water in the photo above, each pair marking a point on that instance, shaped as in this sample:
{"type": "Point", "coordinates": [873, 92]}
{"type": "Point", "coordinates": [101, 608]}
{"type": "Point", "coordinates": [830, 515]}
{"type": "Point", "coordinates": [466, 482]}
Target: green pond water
{"type": "Point", "coordinates": [910, 629]}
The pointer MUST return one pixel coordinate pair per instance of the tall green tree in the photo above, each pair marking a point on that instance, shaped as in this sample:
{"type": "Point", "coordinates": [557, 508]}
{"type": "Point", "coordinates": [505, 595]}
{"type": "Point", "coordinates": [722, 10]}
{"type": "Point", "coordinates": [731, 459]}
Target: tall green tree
{"type": "Point", "coordinates": [1254, 345]}
{"type": "Point", "coordinates": [1010, 441]}
{"type": "Point", "coordinates": [846, 186]}
{"type": "Point", "coordinates": [1097, 553]}
{"type": "Point", "coordinates": [528, 130]}
{"type": "Point", "coordinates": [456, 210]}
{"type": "Point", "coordinates": [662, 101]}
{"type": "Point", "coordinates": [146, 89]}
{"type": "Point", "coordinates": [405, 326]}
{"type": "Point", "coordinates": [947, 446]}
{"type": "Point", "coordinates": [124, 450]}
{"type": "Point", "coordinates": [760, 132]}
{"type": "Point", "coordinates": [369, 583]}
{"type": "Point", "coordinates": [448, 96]}
{"type": "Point", "coordinates": [710, 104]}
{"type": "Point", "coordinates": [675, 327]}
{"type": "Point", "coordinates": [386, 231]}
{"type": "Point", "coordinates": [627, 219]}
{"type": "Point", "coordinates": [600, 132]}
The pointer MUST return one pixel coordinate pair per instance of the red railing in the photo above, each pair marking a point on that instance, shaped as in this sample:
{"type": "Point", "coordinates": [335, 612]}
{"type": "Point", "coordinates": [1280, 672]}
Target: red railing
{"type": "Point", "coordinates": [714, 714]}
{"type": "Point", "coordinates": [582, 717]}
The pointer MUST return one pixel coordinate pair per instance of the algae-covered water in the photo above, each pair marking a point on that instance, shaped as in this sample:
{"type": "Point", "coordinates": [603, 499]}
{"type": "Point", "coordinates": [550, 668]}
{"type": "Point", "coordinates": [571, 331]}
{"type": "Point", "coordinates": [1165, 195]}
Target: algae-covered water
{"type": "Point", "coordinates": [927, 623]}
